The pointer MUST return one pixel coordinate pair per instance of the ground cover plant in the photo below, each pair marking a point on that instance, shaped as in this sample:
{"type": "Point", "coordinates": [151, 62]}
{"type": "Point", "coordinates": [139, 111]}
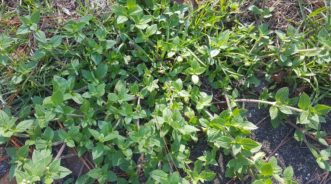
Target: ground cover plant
{"type": "Point", "coordinates": [128, 91]}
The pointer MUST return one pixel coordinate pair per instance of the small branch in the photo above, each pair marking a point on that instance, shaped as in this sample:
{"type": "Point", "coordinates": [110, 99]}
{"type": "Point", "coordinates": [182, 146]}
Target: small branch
{"type": "Point", "coordinates": [75, 115]}
{"type": "Point", "coordinates": [196, 57]}
{"type": "Point", "coordinates": [60, 152]}
{"type": "Point", "coordinates": [228, 102]}
{"type": "Point", "coordinates": [138, 122]}
{"type": "Point", "coordinates": [81, 170]}
{"type": "Point", "coordinates": [262, 120]}
{"type": "Point", "coordinates": [13, 141]}
{"type": "Point", "coordinates": [82, 159]}
{"type": "Point", "coordinates": [21, 135]}
{"type": "Point", "coordinates": [88, 161]}
{"type": "Point", "coordinates": [302, 130]}
{"type": "Point", "coordinates": [324, 178]}
{"type": "Point", "coordinates": [283, 142]}
{"type": "Point", "coordinates": [209, 114]}
{"type": "Point", "coordinates": [68, 156]}
{"type": "Point", "coordinates": [263, 102]}
{"type": "Point", "coordinates": [172, 163]}
{"type": "Point", "coordinates": [308, 50]}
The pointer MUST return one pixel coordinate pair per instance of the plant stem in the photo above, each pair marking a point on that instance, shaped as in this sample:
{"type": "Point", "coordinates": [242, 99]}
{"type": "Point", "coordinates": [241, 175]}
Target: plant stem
{"type": "Point", "coordinates": [209, 114]}
{"type": "Point", "coordinates": [228, 102]}
{"type": "Point", "coordinates": [263, 102]}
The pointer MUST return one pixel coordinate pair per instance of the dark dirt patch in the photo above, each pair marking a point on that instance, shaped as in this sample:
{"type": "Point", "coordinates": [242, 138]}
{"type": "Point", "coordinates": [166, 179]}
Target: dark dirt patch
{"type": "Point", "coordinates": [278, 142]}
{"type": "Point", "coordinates": [197, 150]}
{"type": "Point", "coordinates": [289, 11]}
{"type": "Point", "coordinates": [284, 12]}
{"type": "Point", "coordinates": [66, 7]}
{"type": "Point", "coordinates": [291, 152]}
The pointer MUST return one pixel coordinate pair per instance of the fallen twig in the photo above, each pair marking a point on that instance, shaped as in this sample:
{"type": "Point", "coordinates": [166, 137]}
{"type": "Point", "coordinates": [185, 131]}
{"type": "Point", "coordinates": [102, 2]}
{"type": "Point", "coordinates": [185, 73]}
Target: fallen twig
{"type": "Point", "coordinates": [262, 120]}
{"type": "Point", "coordinates": [59, 153]}
{"type": "Point", "coordinates": [263, 102]}
{"type": "Point", "coordinates": [283, 142]}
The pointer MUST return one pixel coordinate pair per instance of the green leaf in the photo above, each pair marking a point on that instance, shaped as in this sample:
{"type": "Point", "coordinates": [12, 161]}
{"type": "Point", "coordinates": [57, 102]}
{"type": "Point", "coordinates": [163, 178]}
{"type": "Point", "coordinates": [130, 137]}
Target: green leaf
{"type": "Point", "coordinates": [255, 10]}
{"type": "Point", "coordinates": [304, 101]}
{"type": "Point", "coordinates": [5, 42]}
{"type": "Point", "coordinates": [24, 125]}
{"type": "Point", "coordinates": [101, 71]}
{"type": "Point", "coordinates": [236, 148]}
{"type": "Point", "coordinates": [7, 123]}
{"type": "Point", "coordinates": [178, 85]}
{"type": "Point", "coordinates": [214, 53]}
{"type": "Point", "coordinates": [267, 169]}
{"type": "Point", "coordinates": [321, 109]}
{"type": "Point", "coordinates": [142, 27]}
{"type": "Point", "coordinates": [273, 111]}
{"type": "Point", "coordinates": [99, 174]}
{"type": "Point", "coordinates": [35, 16]}
{"type": "Point", "coordinates": [285, 110]}
{"type": "Point", "coordinates": [110, 44]}
{"type": "Point", "coordinates": [60, 84]}
{"type": "Point", "coordinates": [55, 41]}
{"type": "Point", "coordinates": [97, 90]}
{"type": "Point", "coordinates": [276, 122]}
{"type": "Point", "coordinates": [324, 38]}
{"type": "Point", "coordinates": [40, 36]}
{"type": "Point", "coordinates": [96, 58]}
{"type": "Point", "coordinates": [131, 4]}
{"type": "Point", "coordinates": [40, 160]}
{"type": "Point", "coordinates": [61, 173]}
{"type": "Point", "coordinates": [120, 87]}
{"type": "Point", "coordinates": [57, 97]}
{"type": "Point", "coordinates": [288, 175]}
{"type": "Point", "coordinates": [4, 117]}
{"type": "Point", "coordinates": [263, 181]}
{"type": "Point", "coordinates": [95, 133]}
{"type": "Point", "coordinates": [282, 95]}
{"type": "Point", "coordinates": [204, 100]}
{"type": "Point", "coordinates": [303, 119]}
{"type": "Point", "coordinates": [159, 176]}
{"type": "Point", "coordinates": [207, 175]}
{"type": "Point", "coordinates": [246, 125]}
{"type": "Point", "coordinates": [174, 178]}
{"type": "Point", "coordinates": [195, 79]}
{"type": "Point", "coordinates": [249, 144]}
{"type": "Point", "coordinates": [98, 151]}
{"type": "Point", "coordinates": [121, 19]}
{"type": "Point", "coordinates": [151, 30]}
{"type": "Point", "coordinates": [188, 130]}
{"type": "Point", "coordinates": [222, 141]}
{"type": "Point", "coordinates": [325, 154]}
{"type": "Point", "coordinates": [298, 135]}
{"type": "Point", "coordinates": [22, 30]}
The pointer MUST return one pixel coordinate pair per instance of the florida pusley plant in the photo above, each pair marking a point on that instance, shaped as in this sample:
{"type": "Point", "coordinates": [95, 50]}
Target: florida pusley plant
{"type": "Point", "coordinates": [139, 82]}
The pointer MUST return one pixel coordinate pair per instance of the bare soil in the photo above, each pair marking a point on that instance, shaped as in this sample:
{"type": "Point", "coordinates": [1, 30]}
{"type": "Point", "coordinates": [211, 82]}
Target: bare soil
{"type": "Point", "coordinates": [279, 142]}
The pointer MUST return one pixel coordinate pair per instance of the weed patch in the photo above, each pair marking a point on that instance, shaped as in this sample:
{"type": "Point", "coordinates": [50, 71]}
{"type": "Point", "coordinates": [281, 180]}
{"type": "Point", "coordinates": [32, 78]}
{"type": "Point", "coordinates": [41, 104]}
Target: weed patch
{"type": "Point", "coordinates": [127, 92]}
